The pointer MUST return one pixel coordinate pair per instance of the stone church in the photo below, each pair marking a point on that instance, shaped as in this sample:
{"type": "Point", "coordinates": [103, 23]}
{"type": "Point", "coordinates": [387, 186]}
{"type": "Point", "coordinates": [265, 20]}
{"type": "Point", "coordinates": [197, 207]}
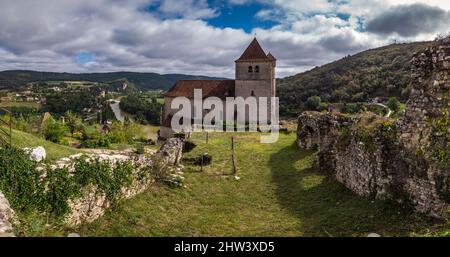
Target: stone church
{"type": "Point", "coordinates": [254, 77]}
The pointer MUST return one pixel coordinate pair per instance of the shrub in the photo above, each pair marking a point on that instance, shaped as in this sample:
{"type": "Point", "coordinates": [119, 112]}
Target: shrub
{"type": "Point", "coordinates": [60, 188]}
{"type": "Point", "coordinates": [99, 142]}
{"type": "Point", "coordinates": [19, 180]}
{"type": "Point", "coordinates": [313, 102]}
{"type": "Point", "coordinates": [54, 131]}
{"type": "Point", "coordinates": [393, 104]}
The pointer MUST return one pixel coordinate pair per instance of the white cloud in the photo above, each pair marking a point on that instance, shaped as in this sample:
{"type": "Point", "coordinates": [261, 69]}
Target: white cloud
{"type": "Point", "coordinates": [48, 34]}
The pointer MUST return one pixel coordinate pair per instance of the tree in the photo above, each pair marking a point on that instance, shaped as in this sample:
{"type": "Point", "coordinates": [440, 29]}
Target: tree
{"type": "Point", "coordinates": [54, 131]}
{"type": "Point", "coordinates": [313, 102]}
{"type": "Point", "coordinates": [74, 122]}
{"type": "Point", "coordinates": [393, 104]}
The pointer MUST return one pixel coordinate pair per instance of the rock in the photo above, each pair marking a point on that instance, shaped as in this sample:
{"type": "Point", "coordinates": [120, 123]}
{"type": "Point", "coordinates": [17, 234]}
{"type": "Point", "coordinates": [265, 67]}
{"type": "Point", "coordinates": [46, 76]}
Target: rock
{"type": "Point", "coordinates": [7, 215]}
{"type": "Point", "coordinates": [373, 235]}
{"type": "Point", "coordinates": [73, 235]}
{"type": "Point", "coordinates": [37, 154]}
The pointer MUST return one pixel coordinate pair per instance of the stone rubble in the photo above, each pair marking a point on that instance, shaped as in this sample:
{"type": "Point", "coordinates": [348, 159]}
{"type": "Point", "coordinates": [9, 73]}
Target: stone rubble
{"type": "Point", "coordinates": [7, 217]}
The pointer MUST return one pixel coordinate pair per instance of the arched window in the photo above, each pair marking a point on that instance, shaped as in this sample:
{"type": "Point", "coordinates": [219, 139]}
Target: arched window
{"type": "Point", "coordinates": [253, 93]}
{"type": "Point", "coordinates": [257, 69]}
{"type": "Point", "coordinates": [250, 69]}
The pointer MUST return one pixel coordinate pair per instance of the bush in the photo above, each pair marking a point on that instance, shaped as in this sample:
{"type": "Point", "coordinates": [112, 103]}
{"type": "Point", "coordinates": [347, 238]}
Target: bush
{"type": "Point", "coordinates": [54, 131]}
{"type": "Point", "coordinates": [101, 141]}
{"type": "Point", "coordinates": [393, 104]}
{"type": "Point", "coordinates": [30, 192]}
{"type": "Point", "coordinates": [313, 102]}
{"type": "Point", "coordinates": [19, 180]}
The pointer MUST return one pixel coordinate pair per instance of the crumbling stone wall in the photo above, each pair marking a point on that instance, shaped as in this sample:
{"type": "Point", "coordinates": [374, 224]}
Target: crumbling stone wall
{"type": "Point", "coordinates": [92, 204]}
{"type": "Point", "coordinates": [407, 161]}
{"type": "Point", "coordinates": [7, 217]}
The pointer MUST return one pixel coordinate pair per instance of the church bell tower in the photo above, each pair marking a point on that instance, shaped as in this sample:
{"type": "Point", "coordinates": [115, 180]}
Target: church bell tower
{"type": "Point", "coordinates": [255, 74]}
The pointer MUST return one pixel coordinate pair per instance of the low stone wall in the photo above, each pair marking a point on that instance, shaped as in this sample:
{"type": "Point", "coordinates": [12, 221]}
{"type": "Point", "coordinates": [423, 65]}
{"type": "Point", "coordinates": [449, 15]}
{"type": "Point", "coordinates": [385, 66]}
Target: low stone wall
{"type": "Point", "coordinates": [92, 204]}
{"type": "Point", "coordinates": [7, 216]}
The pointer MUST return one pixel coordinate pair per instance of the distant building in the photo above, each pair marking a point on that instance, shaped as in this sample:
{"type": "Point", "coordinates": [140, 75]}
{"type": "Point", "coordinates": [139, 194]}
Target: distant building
{"type": "Point", "coordinates": [254, 77]}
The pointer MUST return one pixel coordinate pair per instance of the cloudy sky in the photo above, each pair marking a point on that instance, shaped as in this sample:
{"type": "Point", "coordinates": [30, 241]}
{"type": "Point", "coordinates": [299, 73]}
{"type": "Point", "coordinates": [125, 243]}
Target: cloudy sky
{"type": "Point", "coordinates": [204, 37]}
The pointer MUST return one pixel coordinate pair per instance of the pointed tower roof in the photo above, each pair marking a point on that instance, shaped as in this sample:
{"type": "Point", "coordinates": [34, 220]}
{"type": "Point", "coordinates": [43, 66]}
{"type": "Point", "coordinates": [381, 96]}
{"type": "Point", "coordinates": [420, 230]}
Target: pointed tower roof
{"type": "Point", "coordinates": [271, 57]}
{"type": "Point", "coordinates": [253, 52]}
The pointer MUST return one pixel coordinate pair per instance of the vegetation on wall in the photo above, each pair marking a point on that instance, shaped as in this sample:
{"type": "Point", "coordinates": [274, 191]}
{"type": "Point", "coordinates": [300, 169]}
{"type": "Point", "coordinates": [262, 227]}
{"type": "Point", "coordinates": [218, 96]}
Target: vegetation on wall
{"type": "Point", "coordinates": [45, 189]}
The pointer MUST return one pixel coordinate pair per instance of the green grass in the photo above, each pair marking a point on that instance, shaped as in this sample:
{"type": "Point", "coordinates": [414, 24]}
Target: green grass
{"type": "Point", "coordinates": [280, 193]}
{"type": "Point", "coordinates": [54, 151]}
{"type": "Point", "coordinates": [149, 131]}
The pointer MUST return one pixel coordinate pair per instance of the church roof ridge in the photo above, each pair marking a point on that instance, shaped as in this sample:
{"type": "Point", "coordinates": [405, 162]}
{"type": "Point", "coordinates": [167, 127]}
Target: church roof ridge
{"type": "Point", "coordinates": [253, 52]}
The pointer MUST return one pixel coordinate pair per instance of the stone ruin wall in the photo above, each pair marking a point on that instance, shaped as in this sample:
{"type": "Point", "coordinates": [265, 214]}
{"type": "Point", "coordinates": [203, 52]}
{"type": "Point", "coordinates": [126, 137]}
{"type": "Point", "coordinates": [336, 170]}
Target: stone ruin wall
{"type": "Point", "coordinates": [92, 204]}
{"type": "Point", "coordinates": [402, 164]}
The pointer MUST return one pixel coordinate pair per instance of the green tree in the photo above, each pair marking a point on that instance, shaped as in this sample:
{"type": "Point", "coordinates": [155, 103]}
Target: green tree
{"type": "Point", "coordinates": [54, 131]}
{"type": "Point", "coordinates": [393, 104]}
{"type": "Point", "coordinates": [313, 102]}
{"type": "Point", "coordinates": [74, 122]}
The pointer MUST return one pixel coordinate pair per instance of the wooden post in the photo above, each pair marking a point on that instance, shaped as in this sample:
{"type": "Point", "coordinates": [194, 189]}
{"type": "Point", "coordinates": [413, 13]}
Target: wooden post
{"type": "Point", "coordinates": [233, 155]}
{"type": "Point", "coordinates": [10, 129]}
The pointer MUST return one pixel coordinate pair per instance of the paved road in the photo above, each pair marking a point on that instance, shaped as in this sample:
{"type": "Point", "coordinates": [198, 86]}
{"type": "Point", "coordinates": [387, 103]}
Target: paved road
{"type": "Point", "coordinates": [384, 106]}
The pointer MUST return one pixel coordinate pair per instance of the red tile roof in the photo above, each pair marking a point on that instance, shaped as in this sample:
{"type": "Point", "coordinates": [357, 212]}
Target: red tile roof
{"type": "Point", "coordinates": [217, 88]}
{"type": "Point", "coordinates": [253, 52]}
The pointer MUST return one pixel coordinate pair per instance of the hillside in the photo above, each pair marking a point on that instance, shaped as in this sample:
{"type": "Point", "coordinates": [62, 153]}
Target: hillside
{"type": "Point", "coordinates": [380, 72]}
{"type": "Point", "coordinates": [16, 79]}
{"type": "Point", "coordinates": [54, 151]}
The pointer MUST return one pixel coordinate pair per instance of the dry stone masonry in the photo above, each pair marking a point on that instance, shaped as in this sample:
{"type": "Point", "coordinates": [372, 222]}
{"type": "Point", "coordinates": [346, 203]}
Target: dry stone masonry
{"type": "Point", "coordinates": [7, 217]}
{"type": "Point", "coordinates": [409, 160]}
{"type": "Point", "coordinates": [92, 204]}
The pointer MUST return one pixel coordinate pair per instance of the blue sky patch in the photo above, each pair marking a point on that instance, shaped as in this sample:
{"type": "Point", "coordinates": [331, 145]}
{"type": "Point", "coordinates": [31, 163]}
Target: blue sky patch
{"type": "Point", "coordinates": [241, 17]}
{"type": "Point", "coordinates": [83, 58]}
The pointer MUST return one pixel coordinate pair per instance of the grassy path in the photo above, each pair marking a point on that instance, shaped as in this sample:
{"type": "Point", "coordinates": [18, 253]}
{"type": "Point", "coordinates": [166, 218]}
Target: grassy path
{"type": "Point", "coordinates": [279, 194]}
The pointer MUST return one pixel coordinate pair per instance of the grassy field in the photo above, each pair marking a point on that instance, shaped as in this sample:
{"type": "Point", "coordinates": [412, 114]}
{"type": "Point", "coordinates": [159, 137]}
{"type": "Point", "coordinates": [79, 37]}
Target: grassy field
{"type": "Point", "coordinates": [279, 193]}
{"type": "Point", "coordinates": [21, 104]}
{"type": "Point", "coordinates": [54, 151]}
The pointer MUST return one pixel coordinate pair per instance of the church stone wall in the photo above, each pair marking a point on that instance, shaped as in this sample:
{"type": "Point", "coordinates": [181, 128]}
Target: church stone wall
{"type": "Point", "coordinates": [265, 70]}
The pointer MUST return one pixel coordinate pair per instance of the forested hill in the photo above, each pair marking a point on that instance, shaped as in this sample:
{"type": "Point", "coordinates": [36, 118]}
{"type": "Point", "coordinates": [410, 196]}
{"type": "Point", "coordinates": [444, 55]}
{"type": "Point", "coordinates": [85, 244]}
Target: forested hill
{"type": "Point", "coordinates": [380, 72]}
{"type": "Point", "coordinates": [15, 79]}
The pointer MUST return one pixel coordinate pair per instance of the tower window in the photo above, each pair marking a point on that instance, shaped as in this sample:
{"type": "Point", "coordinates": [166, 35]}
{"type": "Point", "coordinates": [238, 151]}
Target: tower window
{"type": "Point", "coordinates": [253, 93]}
{"type": "Point", "coordinates": [257, 69]}
{"type": "Point", "coordinates": [250, 69]}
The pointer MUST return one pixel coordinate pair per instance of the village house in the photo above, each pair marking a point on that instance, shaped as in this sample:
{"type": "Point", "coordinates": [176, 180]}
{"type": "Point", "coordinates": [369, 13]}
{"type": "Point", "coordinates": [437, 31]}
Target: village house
{"type": "Point", "coordinates": [254, 77]}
